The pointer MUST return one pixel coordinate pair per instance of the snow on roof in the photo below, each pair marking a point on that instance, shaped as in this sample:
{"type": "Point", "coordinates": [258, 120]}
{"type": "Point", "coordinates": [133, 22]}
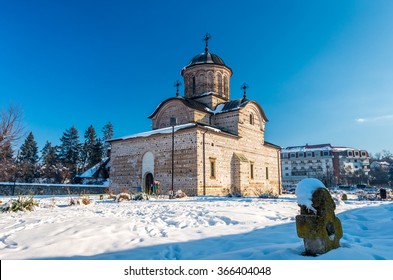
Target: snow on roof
{"type": "Point", "coordinates": [89, 173]}
{"type": "Point", "coordinates": [164, 131]}
{"type": "Point", "coordinates": [304, 191]}
{"type": "Point", "coordinates": [326, 147]}
{"type": "Point", "coordinates": [312, 148]}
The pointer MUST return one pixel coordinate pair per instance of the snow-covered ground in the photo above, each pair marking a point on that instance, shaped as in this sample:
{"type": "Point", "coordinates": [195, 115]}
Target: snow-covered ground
{"type": "Point", "coordinates": [189, 228]}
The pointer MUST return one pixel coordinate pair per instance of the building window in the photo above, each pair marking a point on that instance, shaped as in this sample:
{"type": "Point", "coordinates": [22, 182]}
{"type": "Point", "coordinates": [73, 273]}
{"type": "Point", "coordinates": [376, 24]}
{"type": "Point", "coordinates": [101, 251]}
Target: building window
{"type": "Point", "coordinates": [251, 170]}
{"type": "Point", "coordinates": [219, 82]}
{"type": "Point", "coordinates": [213, 168]}
{"type": "Point", "coordinates": [267, 173]}
{"type": "Point", "coordinates": [293, 155]}
{"type": "Point", "coordinates": [226, 86]}
{"type": "Point", "coordinates": [251, 119]}
{"type": "Point", "coordinates": [301, 154]}
{"type": "Point", "coordinates": [309, 154]}
{"type": "Point", "coordinates": [193, 85]}
{"type": "Point", "coordinates": [325, 153]}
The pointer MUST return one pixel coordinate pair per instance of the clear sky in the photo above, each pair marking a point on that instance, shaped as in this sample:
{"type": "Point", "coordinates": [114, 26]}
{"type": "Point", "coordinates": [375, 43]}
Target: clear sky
{"type": "Point", "coordinates": [321, 70]}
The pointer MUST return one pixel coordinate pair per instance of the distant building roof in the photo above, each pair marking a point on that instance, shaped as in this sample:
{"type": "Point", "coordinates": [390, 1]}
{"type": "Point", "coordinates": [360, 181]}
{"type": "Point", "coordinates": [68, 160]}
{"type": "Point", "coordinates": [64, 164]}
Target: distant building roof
{"type": "Point", "coordinates": [318, 147]}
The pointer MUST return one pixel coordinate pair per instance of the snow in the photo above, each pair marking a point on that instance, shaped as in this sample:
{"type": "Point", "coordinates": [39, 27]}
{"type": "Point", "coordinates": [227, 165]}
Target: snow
{"type": "Point", "coordinates": [156, 131]}
{"type": "Point", "coordinates": [304, 191]}
{"type": "Point", "coordinates": [188, 228]}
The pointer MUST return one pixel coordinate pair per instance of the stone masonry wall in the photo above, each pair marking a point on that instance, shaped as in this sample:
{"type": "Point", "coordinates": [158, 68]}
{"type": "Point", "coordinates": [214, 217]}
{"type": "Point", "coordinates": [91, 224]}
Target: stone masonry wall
{"type": "Point", "coordinates": [126, 160]}
{"type": "Point", "coordinates": [174, 108]}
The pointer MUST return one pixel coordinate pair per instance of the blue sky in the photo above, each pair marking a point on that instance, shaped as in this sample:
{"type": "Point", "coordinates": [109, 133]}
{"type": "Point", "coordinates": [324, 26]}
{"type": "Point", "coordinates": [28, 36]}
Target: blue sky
{"type": "Point", "coordinates": [322, 70]}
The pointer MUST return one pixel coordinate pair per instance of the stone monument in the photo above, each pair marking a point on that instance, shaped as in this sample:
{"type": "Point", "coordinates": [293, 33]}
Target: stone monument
{"type": "Point", "coordinates": [317, 223]}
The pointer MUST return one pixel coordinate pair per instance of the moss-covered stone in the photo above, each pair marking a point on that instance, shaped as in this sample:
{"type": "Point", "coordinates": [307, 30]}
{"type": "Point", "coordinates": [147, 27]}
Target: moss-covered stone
{"type": "Point", "coordinates": [322, 230]}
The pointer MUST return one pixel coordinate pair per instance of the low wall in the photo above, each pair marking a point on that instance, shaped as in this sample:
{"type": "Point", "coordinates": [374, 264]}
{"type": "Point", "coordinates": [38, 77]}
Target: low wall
{"type": "Point", "coordinates": [10, 189]}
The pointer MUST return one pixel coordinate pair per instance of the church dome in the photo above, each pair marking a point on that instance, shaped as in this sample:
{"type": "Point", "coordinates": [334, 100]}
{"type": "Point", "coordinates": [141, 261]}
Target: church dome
{"type": "Point", "coordinates": [206, 58]}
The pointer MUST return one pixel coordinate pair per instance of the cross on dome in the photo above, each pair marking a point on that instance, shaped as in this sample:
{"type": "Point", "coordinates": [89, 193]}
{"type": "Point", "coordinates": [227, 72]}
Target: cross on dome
{"type": "Point", "coordinates": [244, 87]}
{"type": "Point", "coordinates": [206, 39]}
{"type": "Point", "coordinates": [177, 85]}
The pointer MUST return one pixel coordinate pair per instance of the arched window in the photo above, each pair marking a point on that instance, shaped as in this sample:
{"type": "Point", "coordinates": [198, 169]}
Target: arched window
{"type": "Point", "coordinates": [226, 88]}
{"type": "Point", "coordinates": [210, 81]}
{"type": "Point", "coordinates": [193, 85]}
{"type": "Point", "coordinates": [219, 83]}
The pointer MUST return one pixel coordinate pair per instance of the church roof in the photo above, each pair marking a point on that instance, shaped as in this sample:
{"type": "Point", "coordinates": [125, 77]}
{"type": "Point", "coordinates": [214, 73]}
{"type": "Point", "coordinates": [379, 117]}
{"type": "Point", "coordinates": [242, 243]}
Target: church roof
{"type": "Point", "coordinates": [206, 58]}
{"type": "Point", "coordinates": [236, 104]}
{"type": "Point", "coordinates": [167, 130]}
{"type": "Point", "coordinates": [224, 107]}
{"type": "Point", "coordinates": [186, 101]}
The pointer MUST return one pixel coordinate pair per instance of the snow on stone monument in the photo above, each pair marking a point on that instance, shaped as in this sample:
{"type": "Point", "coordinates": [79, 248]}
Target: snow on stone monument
{"type": "Point", "coordinates": [317, 223]}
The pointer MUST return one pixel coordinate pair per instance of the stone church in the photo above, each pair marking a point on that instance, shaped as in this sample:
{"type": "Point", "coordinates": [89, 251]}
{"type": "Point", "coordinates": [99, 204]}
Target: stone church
{"type": "Point", "coordinates": [203, 143]}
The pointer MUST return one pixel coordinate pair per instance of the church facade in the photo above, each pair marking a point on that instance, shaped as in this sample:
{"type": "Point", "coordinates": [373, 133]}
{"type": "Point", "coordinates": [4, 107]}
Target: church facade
{"type": "Point", "coordinates": [213, 144]}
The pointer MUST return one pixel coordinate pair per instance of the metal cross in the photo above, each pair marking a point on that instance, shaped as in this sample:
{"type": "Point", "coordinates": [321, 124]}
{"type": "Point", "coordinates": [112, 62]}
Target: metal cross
{"type": "Point", "coordinates": [206, 39]}
{"type": "Point", "coordinates": [177, 85]}
{"type": "Point", "coordinates": [244, 87]}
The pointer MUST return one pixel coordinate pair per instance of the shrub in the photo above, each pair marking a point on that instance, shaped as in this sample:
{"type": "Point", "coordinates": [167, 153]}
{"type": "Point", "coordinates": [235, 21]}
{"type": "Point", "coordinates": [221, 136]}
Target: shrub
{"type": "Point", "coordinates": [123, 196]}
{"type": "Point", "coordinates": [344, 196]}
{"type": "Point", "coordinates": [180, 194]}
{"type": "Point", "coordinates": [141, 196]}
{"type": "Point", "coordinates": [80, 200]}
{"type": "Point", "coordinates": [22, 203]}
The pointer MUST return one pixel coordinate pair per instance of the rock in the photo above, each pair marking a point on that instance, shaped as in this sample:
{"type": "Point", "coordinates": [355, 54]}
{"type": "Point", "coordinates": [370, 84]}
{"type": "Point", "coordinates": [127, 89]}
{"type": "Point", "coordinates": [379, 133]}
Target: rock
{"type": "Point", "coordinates": [320, 229]}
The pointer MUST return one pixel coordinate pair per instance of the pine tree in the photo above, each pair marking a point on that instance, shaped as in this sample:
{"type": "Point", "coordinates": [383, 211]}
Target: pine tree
{"type": "Point", "coordinates": [7, 162]}
{"type": "Point", "coordinates": [69, 151]}
{"type": "Point", "coordinates": [28, 159]}
{"type": "Point", "coordinates": [108, 133]}
{"type": "Point", "coordinates": [92, 149]}
{"type": "Point", "coordinates": [51, 169]}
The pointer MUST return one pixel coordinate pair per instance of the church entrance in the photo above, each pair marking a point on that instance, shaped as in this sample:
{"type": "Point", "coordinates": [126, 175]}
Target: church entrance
{"type": "Point", "coordinates": [149, 181]}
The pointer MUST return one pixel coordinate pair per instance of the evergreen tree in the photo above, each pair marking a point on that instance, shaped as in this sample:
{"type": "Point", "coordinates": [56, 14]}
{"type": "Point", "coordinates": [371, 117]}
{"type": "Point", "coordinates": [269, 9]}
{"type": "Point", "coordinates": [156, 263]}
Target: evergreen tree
{"type": "Point", "coordinates": [49, 154]}
{"type": "Point", "coordinates": [29, 150]}
{"type": "Point", "coordinates": [69, 151]}
{"type": "Point", "coordinates": [92, 149]}
{"type": "Point", "coordinates": [28, 159]}
{"type": "Point", "coordinates": [52, 171]}
{"type": "Point", "coordinates": [108, 133]}
{"type": "Point", "coordinates": [7, 163]}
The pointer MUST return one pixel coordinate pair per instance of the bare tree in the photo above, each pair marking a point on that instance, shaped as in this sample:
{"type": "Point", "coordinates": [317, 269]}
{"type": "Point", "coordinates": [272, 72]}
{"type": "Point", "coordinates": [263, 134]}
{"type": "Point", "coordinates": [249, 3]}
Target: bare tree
{"type": "Point", "coordinates": [11, 128]}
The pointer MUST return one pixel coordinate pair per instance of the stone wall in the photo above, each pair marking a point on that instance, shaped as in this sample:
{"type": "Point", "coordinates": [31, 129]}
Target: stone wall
{"type": "Point", "coordinates": [126, 161]}
{"type": "Point", "coordinates": [203, 78]}
{"type": "Point", "coordinates": [174, 108]}
{"type": "Point", "coordinates": [8, 189]}
{"type": "Point", "coordinates": [233, 158]}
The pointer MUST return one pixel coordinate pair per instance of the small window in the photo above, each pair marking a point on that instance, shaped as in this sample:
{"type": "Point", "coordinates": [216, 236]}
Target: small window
{"type": "Point", "coordinates": [251, 170]}
{"type": "Point", "coordinates": [251, 119]}
{"type": "Point", "coordinates": [212, 168]}
{"type": "Point", "coordinates": [309, 154]}
{"type": "Point", "coordinates": [301, 154]}
{"type": "Point", "coordinates": [193, 85]}
{"type": "Point", "coordinates": [325, 153]}
{"type": "Point", "coordinates": [267, 173]}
